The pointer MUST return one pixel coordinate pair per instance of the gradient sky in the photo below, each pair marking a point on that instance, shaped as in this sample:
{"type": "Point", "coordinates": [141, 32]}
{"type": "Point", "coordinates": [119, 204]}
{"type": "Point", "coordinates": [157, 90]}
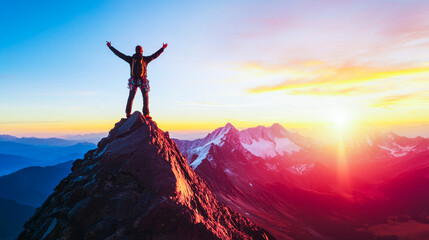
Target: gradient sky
{"type": "Point", "coordinates": [303, 64]}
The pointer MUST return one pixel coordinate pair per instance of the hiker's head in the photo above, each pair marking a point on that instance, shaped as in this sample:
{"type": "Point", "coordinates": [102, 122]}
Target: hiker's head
{"type": "Point", "coordinates": [139, 49]}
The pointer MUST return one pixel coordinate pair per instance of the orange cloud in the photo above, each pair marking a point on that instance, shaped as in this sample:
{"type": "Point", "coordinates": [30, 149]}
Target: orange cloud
{"type": "Point", "coordinates": [388, 101]}
{"type": "Point", "coordinates": [330, 76]}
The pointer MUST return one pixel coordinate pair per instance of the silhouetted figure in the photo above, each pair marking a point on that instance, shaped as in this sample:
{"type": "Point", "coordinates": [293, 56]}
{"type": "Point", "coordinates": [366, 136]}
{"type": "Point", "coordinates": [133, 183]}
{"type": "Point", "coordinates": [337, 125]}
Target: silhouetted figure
{"type": "Point", "coordinates": [138, 65]}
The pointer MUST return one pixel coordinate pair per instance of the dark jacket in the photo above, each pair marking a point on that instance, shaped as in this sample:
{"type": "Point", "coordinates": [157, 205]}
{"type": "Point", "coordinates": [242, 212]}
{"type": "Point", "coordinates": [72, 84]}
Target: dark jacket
{"type": "Point", "coordinates": [138, 60]}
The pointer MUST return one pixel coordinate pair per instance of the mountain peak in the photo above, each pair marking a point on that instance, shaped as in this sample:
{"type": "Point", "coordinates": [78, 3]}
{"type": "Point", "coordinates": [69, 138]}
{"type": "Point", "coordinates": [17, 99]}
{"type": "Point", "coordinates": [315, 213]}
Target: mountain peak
{"type": "Point", "coordinates": [229, 125]}
{"type": "Point", "coordinates": [202, 146]}
{"type": "Point", "coordinates": [268, 142]}
{"type": "Point", "coordinates": [218, 135]}
{"type": "Point", "coordinates": [136, 185]}
{"type": "Point", "coordinates": [279, 129]}
{"type": "Point", "coordinates": [276, 126]}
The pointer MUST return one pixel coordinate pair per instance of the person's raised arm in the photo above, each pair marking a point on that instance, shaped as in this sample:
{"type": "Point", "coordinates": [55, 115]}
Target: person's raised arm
{"type": "Point", "coordinates": [157, 53]}
{"type": "Point", "coordinates": [117, 53]}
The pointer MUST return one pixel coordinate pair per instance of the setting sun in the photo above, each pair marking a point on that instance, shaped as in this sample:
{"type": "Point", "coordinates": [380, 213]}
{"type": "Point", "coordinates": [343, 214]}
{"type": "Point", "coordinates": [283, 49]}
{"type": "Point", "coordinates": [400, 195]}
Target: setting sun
{"type": "Point", "coordinates": [341, 120]}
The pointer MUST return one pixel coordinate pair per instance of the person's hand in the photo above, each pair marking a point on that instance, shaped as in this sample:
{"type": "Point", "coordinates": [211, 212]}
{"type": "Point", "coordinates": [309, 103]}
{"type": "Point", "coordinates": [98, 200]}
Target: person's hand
{"type": "Point", "coordinates": [109, 44]}
{"type": "Point", "coordinates": [164, 45]}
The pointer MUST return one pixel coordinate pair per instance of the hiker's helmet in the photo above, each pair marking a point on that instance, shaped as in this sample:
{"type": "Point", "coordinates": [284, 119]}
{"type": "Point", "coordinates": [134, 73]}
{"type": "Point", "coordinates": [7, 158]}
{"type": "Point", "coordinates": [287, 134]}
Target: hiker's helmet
{"type": "Point", "coordinates": [139, 49]}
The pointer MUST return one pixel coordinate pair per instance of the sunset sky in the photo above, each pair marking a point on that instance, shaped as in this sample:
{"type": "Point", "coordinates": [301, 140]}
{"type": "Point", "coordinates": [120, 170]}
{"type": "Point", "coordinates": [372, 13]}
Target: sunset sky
{"type": "Point", "coordinates": [303, 64]}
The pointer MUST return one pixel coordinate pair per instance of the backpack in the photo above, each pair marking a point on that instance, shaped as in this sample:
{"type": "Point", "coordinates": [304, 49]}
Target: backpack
{"type": "Point", "coordinates": [137, 66]}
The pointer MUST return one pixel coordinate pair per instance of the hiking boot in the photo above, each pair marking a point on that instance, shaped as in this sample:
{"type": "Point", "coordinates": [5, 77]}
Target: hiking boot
{"type": "Point", "coordinates": [145, 113]}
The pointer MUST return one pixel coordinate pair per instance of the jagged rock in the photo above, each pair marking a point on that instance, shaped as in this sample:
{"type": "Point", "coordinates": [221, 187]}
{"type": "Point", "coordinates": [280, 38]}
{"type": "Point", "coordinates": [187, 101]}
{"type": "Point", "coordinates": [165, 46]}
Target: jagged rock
{"type": "Point", "coordinates": [136, 185]}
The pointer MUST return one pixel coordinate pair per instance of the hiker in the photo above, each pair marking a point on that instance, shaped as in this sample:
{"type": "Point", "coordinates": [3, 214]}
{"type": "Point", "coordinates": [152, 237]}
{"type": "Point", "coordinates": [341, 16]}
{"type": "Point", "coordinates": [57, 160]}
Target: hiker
{"type": "Point", "coordinates": [138, 64]}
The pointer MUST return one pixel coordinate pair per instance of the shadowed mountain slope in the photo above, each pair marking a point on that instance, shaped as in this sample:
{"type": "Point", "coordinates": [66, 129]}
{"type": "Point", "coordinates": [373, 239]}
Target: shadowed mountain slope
{"type": "Point", "coordinates": [136, 185]}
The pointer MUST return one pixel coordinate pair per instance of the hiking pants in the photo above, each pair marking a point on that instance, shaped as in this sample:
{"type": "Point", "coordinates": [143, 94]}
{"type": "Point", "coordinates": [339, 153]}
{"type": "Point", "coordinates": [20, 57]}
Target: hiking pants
{"type": "Point", "coordinates": [131, 99]}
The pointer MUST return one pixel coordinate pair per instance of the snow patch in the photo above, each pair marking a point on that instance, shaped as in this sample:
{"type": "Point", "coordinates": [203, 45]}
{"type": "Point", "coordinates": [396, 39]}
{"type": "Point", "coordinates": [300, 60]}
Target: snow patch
{"type": "Point", "coordinates": [368, 140]}
{"type": "Point", "coordinates": [300, 169]}
{"type": "Point", "coordinates": [397, 150]}
{"type": "Point", "coordinates": [230, 172]}
{"type": "Point", "coordinates": [285, 145]}
{"type": "Point", "coordinates": [202, 151]}
{"type": "Point", "coordinates": [268, 149]}
{"type": "Point", "coordinates": [261, 148]}
{"type": "Point", "coordinates": [272, 167]}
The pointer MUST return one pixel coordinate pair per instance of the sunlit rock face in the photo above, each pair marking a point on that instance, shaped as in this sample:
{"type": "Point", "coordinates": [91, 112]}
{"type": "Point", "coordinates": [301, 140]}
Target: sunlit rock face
{"type": "Point", "coordinates": [136, 185]}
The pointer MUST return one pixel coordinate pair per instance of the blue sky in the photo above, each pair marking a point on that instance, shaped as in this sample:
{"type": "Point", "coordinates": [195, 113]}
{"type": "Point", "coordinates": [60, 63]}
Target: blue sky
{"type": "Point", "coordinates": [247, 62]}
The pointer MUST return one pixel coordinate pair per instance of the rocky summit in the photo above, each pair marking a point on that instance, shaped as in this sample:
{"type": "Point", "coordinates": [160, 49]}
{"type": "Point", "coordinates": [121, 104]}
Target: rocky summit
{"type": "Point", "coordinates": [136, 185]}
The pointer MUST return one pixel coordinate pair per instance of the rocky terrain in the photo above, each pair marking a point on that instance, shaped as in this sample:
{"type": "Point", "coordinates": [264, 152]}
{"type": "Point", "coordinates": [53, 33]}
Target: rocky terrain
{"type": "Point", "coordinates": [136, 185]}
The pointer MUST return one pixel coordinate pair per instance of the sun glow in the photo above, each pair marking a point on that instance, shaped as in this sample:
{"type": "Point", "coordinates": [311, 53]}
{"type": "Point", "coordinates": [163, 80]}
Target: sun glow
{"type": "Point", "coordinates": [341, 123]}
{"type": "Point", "coordinates": [341, 120]}
{"type": "Point", "coordinates": [342, 164]}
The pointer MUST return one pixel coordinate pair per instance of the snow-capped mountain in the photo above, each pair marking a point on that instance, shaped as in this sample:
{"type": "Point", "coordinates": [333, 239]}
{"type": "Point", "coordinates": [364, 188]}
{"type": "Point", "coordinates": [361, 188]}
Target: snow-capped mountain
{"type": "Point", "coordinates": [235, 166]}
{"type": "Point", "coordinates": [269, 171]}
{"type": "Point", "coordinates": [263, 142]}
{"type": "Point", "coordinates": [198, 150]}
{"type": "Point", "coordinates": [398, 146]}
{"type": "Point", "coordinates": [136, 185]}
{"type": "Point", "coordinates": [270, 142]}
{"type": "Point", "coordinates": [372, 148]}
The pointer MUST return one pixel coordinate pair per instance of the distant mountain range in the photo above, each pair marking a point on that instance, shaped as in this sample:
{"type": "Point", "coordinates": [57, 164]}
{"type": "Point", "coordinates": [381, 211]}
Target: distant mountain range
{"type": "Point", "coordinates": [32, 185]}
{"type": "Point", "coordinates": [289, 184]}
{"type": "Point", "coordinates": [12, 218]}
{"type": "Point", "coordinates": [23, 191]}
{"type": "Point", "coordinates": [89, 137]}
{"type": "Point", "coordinates": [17, 153]}
{"type": "Point", "coordinates": [10, 163]}
{"type": "Point", "coordinates": [136, 185]}
{"type": "Point", "coordinates": [26, 180]}
{"type": "Point", "coordinates": [50, 142]}
{"type": "Point", "coordinates": [285, 182]}
{"type": "Point", "coordinates": [66, 140]}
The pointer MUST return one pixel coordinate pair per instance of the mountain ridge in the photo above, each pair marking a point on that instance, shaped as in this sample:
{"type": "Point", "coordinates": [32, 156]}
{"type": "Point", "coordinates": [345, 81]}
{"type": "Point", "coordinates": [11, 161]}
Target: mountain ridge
{"type": "Point", "coordinates": [298, 195]}
{"type": "Point", "coordinates": [53, 141]}
{"type": "Point", "coordinates": [136, 184]}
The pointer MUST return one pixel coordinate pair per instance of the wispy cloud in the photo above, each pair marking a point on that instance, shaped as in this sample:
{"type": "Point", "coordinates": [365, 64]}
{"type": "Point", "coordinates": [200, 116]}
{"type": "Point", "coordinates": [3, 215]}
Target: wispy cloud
{"type": "Point", "coordinates": [209, 104]}
{"type": "Point", "coordinates": [329, 78]}
{"type": "Point", "coordinates": [394, 100]}
{"type": "Point", "coordinates": [391, 100]}
{"type": "Point", "coordinates": [341, 91]}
